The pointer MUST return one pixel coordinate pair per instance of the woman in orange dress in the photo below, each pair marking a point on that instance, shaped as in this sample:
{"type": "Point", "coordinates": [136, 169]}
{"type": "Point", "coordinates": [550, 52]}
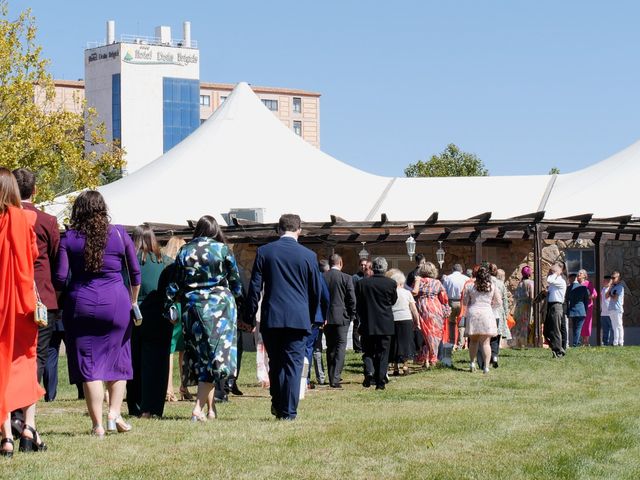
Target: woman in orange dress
{"type": "Point", "coordinates": [19, 386]}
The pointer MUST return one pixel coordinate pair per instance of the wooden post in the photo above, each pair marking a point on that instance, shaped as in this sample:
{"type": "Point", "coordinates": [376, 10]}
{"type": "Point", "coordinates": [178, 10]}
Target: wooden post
{"type": "Point", "coordinates": [537, 283]}
{"type": "Point", "coordinates": [599, 258]}
{"type": "Point", "coordinates": [478, 249]}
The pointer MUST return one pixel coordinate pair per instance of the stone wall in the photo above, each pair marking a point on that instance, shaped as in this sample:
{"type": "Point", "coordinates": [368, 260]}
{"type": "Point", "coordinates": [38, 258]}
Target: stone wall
{"type": "Point", "coordinates": [511, 256]}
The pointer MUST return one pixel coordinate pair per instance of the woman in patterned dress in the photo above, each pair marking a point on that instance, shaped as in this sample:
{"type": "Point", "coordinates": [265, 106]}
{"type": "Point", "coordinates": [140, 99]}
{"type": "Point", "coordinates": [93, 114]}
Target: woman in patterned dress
{"type": "Point", "coordinates": [207, 284]}
{"type": "Point", "coordinates": [524, 308]}
{"type": "Point", "coordinates": [433, 307]}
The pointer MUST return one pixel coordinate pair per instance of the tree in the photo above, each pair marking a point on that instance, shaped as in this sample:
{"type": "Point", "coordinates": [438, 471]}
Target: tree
{"type": "Point", "coordinates": [554, 171]}
{"type": "Point", "coordinates": [452, 162]}
{"type": "Point", "coordinates": [34, 132]}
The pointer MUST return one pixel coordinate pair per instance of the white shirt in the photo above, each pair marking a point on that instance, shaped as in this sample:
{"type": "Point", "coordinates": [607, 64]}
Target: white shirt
{"type": "Point", "coordinates": [402, 309]}
{"type": "Point", "coordinates": [616, 304]}
{"type": "Point", "coordinates": [557, 288]}
{"type": "Point", "coordinates": [453, 284]}
{"type": "Point", "coordinates": [604, 302]}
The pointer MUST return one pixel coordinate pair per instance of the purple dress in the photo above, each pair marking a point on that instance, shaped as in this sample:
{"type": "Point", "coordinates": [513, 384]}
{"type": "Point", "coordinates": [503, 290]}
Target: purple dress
{"type": "Point", "coordinates": [97, 307]}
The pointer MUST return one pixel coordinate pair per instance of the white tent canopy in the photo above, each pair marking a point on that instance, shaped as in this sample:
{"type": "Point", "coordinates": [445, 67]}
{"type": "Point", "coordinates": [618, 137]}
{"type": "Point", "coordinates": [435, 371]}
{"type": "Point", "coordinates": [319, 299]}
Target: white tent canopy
{"type": "Point", "coordinates": [244, 157]}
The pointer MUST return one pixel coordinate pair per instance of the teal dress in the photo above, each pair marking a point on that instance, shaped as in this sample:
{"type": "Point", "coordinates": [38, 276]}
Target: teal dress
{"type": "Point", "coordinates": [207, 285]}
{"type": "Point", "coordinates": [150, 342]}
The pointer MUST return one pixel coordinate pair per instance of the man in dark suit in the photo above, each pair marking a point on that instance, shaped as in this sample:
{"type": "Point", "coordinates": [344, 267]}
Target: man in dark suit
{"type": "Point", "coordinates": [288, 273]}
{"type": "Point", "coordinates": [375, 297]}
{"type": "Point", "coordinates": [342, 310]}
{"type": "Point", "coordinates": [48, 239]}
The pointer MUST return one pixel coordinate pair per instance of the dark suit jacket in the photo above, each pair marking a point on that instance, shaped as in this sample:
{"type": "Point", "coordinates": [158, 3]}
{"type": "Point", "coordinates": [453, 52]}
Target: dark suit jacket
{"type": "Point", "coordinates": [48, 239]}
{"type": "Point", "coordinates": [375, 297]}
{"type": "Point", "coordinates": [342, 304]}
{"type": "Point", "coordinates": [289, 274]}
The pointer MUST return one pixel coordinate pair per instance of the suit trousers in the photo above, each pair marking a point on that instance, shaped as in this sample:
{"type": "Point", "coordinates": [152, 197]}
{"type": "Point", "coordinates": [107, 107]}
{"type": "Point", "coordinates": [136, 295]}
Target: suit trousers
{"type": "Point", "coordinates": [44, 339]}
{"type": "Point", "coordinates": [336, 336]}
{"type": "Point", "coordinates": [286, 350]}
{"type": "Point", "coordinates": [375, 356]}
{"type": "Point", "coordinates": [553, 323]}
{"type": "Point", "coordinates": [314, 353]}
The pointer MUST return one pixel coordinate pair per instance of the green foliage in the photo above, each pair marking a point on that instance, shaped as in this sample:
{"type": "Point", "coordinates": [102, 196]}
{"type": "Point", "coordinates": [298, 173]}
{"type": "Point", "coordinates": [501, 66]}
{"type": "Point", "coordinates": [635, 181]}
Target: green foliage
{"type": "Point", "coordinates": [452, 162]}
{"type": "Point", "coordinates": [34, 132]}
{"type": "Point", "coordinates": [554, 171]}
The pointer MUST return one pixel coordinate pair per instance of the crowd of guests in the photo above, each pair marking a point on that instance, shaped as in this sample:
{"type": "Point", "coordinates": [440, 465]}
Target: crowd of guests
{"type": "Point", "coordinates": [570, 301]}
{"type": "Point", "coordinates": [123, 306]}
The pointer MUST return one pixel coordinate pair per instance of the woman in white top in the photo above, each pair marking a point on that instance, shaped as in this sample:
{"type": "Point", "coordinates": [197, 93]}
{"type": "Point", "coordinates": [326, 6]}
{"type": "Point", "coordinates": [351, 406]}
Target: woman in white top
{"type": "Point", "coordinates": [479, 299]}
{"type": "Point", "coordinates": [405, 316]}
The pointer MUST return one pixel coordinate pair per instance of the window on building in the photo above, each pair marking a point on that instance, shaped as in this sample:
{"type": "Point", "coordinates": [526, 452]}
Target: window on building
{"type": "Point", "coordinates": [271, 104]}
{"type": "Point", "coordinates": [580, 258]}
{"type": "Point", "coordinates": [222, 99]}
{"type": "Point", "coordinates": [181, 110]}
{"type": "Point", "coordinates": [297, 127]}
{"type": "Point", "coordinates": [116, 115]}
{"type": "Point", "coordinates": [297, 104]}
{"type": "Point", "coordinates": [205, 100]}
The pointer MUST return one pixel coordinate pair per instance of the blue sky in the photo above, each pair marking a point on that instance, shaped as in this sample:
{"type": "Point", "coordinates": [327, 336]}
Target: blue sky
{"type": "Point", "coordinates": [524, 85]}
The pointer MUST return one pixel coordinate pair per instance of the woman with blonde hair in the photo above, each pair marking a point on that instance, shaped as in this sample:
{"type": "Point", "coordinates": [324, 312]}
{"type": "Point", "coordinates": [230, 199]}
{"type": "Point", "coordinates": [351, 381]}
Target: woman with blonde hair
{"type": "Point", "coordinates": [405, 318]}
{"type": "Point", "coordinates": [171, 249]}
{"type": "Point", "coordinates": [19, 388]}
{"type": "Point", "coordinates": [433, 307]}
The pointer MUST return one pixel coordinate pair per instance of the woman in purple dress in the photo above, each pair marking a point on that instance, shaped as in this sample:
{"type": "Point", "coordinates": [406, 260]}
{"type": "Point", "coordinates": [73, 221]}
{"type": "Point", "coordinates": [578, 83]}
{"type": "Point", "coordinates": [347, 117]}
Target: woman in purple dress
{"type": "Point", "coordinates": [97, 308]}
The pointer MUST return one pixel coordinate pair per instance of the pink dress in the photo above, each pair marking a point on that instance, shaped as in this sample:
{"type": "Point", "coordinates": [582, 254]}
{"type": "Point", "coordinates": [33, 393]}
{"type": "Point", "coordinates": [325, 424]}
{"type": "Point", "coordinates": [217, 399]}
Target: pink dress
{"type": "Point", "coordinates": [586, 326]}
{"type": "Point", "coordinates": [479, 316]}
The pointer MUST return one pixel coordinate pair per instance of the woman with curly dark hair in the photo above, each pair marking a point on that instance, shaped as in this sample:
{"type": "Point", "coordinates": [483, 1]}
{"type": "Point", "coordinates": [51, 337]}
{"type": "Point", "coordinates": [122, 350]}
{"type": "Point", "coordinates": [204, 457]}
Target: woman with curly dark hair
{"type": "Point", "coordinates": [480, 322]}
{"type": "Point", "coordinates": [97, 309]}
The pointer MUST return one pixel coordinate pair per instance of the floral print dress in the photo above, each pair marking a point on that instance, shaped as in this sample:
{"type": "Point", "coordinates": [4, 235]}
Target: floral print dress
{"type": "Point", "coordinates": [433, 308]}
{"type": "Point", "coordinates": [207, 284]}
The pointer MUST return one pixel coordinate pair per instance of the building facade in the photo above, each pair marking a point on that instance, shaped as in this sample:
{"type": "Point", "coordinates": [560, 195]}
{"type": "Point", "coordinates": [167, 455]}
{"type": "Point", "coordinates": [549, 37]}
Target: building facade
{"type": "Point", "coordinates": [148, 93]}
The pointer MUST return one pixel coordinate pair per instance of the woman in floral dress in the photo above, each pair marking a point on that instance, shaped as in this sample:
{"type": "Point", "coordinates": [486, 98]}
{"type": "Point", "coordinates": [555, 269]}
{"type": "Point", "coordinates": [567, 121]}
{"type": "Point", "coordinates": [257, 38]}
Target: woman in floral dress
{"type": "Point", "coordinates": [433, 307]}
{"type": "Point", "coordinates": [207, 284]}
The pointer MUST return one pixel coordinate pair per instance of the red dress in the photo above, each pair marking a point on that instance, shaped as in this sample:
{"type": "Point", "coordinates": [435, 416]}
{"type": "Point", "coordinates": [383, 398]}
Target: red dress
{"type": "Point", "coordinates": [18, 333]}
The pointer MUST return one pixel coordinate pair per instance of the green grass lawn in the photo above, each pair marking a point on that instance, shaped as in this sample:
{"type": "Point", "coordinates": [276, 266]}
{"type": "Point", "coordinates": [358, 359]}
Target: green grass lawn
{"type": "Point", "coordinates": [534, 417]}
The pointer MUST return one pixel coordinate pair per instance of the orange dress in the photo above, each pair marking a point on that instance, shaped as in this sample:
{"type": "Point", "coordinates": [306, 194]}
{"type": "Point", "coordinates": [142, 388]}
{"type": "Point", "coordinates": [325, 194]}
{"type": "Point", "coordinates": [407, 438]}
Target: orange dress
{"type": "Point", "coordinates": [18, 333]}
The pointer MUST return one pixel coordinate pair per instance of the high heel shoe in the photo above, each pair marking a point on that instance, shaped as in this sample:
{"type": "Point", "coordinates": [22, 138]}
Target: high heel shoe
{"type": "Point", "coordinates": [98, 431]}
{"type": "Point", "coordinates": [199, 417]}
{"type": "Point", "coordinates": [185, 395]}
{"type": "Point", "coordinates": [6, 453]}
{"type": "Point", "coordinates": [485, 370]}
{"type": "Point", "coordinates": [212, 414]}
{"type": "Point", "coordinates": [118, 424]}
{"type": "Point", "coordinates": [170, 397]}
{"type": "Point", "coordinates": [31, 444]}
{"type": "Point", "coordinates": [472, 367]}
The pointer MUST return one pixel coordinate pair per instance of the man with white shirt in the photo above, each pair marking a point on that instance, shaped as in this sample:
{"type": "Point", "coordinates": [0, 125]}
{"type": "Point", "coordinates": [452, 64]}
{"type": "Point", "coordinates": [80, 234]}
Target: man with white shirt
{"type": "Point", "coordinates": [454, 284]}
{"type": "Point", "coordinates": [615, 295]}
{"type": "Point", "coordinates": [556, 289]}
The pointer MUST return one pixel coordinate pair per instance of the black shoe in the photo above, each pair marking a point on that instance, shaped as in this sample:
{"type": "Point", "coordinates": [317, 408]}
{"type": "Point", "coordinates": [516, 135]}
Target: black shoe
{"type": "Point", "coordinates": [235, 390]}
{"type": "Point", "coordinates": [494, 362]}
{"type": "Point", "coordinates": [336, 385]}
{"type": "Point", "coordinates": [380, 387]}
{"type": "Point", "coordinates": [34, 444]}
{"type": "Point", "coordinates": [223, 399]}
{"type": "Point", "coordinates": [275, 412]}
{"type": "Point", "coordinates": [367, 382]}
{"type": "Point", "coordinates": [6, 453]}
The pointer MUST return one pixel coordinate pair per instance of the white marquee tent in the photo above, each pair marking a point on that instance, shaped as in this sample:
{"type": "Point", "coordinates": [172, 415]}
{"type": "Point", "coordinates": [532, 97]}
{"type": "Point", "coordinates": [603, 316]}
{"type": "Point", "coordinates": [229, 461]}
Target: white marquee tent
{"type": "Point", "coordinates": [244, 157]}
